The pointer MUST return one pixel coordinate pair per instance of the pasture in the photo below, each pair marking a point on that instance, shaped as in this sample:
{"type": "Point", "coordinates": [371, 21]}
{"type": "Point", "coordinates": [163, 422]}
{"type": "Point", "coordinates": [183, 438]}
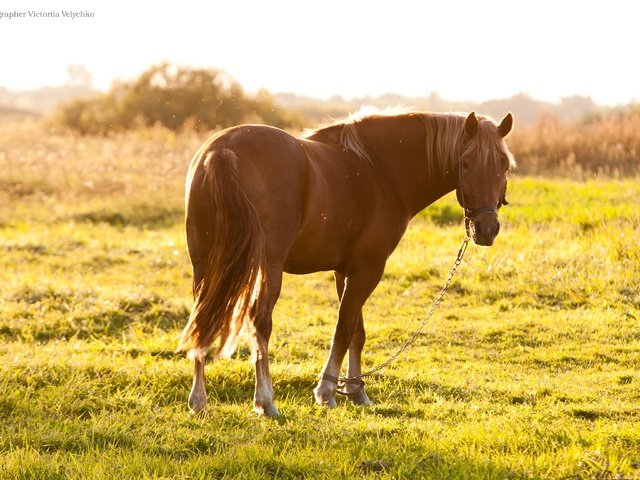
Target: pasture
{"type": "Point", "coordinates": [529, 369]}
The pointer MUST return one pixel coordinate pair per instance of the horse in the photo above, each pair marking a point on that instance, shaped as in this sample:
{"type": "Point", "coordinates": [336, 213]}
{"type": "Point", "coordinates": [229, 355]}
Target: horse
{"type": "Point", "coordinates": [260, 201]}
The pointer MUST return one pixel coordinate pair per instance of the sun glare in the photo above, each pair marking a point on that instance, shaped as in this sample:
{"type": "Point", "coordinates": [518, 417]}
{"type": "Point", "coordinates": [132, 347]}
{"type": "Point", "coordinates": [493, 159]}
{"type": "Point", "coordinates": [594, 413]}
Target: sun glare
{"type": "Point", "coordinates": [462, 51]}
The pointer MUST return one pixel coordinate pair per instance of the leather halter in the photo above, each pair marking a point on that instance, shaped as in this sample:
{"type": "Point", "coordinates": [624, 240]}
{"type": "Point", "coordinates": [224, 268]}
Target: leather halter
{"type": "Point", "coordinates": [471, 213]}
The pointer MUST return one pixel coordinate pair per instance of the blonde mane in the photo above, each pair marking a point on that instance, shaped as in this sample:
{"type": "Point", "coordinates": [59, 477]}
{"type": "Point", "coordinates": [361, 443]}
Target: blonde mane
{"type": "Point", "coordinates": [444, 137]}
{"type": "Point", "coordinates": [445, 142]}
{"type": "Point", "coordinates": [349, 138]}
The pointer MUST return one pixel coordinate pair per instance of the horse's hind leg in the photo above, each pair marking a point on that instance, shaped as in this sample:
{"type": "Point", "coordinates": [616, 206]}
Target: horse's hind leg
{"type": "Point", "coordinates": [198, 395]}
{"type": "Point", "coordinates": [263, 400]}
{"type": "Point", "coordinates": [355, 391]}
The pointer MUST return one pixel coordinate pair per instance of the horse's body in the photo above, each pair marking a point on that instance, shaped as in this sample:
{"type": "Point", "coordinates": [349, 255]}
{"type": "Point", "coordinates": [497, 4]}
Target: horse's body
{"type": "Point", "coordinates": [260, 201]}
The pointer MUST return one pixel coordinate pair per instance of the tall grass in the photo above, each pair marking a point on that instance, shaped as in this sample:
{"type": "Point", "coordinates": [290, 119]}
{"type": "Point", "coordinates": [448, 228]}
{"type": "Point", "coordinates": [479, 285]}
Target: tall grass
{"type": "Point", "coordinates": [606, 145]}
{"type": "Point", "coordinates": [62, 174]}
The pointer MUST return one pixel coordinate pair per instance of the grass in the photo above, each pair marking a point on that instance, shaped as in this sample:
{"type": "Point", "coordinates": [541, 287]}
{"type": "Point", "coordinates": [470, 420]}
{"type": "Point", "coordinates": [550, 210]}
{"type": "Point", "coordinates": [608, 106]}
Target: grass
{"type": "Point", "coordinates": [607, 143]}
{"type": "Point", "coordinates": [530, 368]}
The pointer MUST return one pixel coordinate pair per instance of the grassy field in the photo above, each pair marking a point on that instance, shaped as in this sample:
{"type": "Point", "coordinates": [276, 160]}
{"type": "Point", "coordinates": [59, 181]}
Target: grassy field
{"type": "Point", "coordinates": [530, 369]}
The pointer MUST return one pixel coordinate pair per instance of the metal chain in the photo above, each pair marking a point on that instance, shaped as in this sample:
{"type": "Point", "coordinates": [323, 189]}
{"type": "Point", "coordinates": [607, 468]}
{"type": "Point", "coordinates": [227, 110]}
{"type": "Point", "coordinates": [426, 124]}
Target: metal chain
{"type": "Point", "coordinates": [358, 378]}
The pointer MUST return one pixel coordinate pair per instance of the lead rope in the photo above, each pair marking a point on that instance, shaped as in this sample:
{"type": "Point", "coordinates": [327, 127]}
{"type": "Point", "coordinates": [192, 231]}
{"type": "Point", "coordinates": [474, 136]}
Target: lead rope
{"type": "Point", "coordinates": [357, 380]}
{"type": "Point", "coordinates": [342, 381]}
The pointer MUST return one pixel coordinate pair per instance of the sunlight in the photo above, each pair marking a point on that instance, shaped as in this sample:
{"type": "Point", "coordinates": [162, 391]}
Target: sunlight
{"type": "Point", "coordinates": [464, 50]}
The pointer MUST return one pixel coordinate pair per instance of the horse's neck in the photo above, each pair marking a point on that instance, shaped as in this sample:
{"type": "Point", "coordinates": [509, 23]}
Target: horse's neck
{"type": "Point", "coordinates": [401, 151]}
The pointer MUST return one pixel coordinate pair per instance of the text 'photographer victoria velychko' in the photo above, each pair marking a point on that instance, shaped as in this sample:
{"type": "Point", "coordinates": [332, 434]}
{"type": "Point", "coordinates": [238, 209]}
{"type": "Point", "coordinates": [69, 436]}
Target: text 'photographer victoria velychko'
{"type": "Point", "coordinates": [36, 14]}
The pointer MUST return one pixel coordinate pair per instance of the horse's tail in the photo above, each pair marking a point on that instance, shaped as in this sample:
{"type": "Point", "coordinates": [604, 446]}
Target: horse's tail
{"type": "Point", "coordinates": [225, 230]}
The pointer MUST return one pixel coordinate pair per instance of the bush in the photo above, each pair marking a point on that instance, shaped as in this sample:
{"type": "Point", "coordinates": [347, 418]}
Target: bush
{"type": "Point", "coordinates": [176, 98]}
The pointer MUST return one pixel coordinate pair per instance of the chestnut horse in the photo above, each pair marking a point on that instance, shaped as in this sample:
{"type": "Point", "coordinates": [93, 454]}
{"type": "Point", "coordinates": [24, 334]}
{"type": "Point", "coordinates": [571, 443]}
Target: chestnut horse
{"type": "Point", "coordinates": [260, 202]}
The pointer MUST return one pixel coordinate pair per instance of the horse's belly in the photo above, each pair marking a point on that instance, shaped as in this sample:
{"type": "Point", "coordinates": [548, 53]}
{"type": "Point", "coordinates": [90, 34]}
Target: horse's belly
{"type": "Point", "coordinates": [307, 259]}
{"type": "Point", "coordinates": [300, 267]}
{"type": "Point", "coordinates": [318, 250]}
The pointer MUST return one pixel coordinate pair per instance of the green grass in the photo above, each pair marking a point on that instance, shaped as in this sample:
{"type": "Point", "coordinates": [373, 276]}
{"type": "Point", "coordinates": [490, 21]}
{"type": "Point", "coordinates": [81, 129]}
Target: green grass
{"type": "Point", "coordinates": [530, 368]}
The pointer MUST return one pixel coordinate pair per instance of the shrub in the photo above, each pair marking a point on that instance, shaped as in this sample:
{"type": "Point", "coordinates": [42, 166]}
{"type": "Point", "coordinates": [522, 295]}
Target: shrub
{"type": "Point", "coordinates": [176, 98]}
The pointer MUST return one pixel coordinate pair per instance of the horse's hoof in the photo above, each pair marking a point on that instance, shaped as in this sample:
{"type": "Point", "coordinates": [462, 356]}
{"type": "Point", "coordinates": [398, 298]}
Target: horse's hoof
{"type": "Point", "coordinates": [360, 398]}
{"type": "Point", "coordinates": [329, 403]}
{"type": "Point", "coordinates": [269, 410]}
{"type": "Point", "coordinates": [197, 402]}
{"type": "Point", "coordinates": [325, 394]}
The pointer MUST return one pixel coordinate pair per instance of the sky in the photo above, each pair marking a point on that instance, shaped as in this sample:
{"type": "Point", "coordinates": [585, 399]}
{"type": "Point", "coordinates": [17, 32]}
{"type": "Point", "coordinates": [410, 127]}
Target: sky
{"type": "Point", "coordinates": [462, 49]}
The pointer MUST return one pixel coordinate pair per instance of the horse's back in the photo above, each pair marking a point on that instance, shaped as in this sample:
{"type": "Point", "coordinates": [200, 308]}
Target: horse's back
{"type": "Point", "coordinates": [337, 203]}
{"type": "Point", "coordinates": [314, 200]}
{"type": "Point", "coordinates": [261, 149]}
{"type": "Point", "coordinates": [271, 168]}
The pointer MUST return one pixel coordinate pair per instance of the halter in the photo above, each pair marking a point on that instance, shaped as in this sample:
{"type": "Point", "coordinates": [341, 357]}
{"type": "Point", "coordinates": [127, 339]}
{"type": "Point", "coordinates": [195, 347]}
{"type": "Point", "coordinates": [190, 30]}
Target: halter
{"type": "Point", "coordinates": [471, 214]}
{"type": "Point", "coordinates": [357, 380]}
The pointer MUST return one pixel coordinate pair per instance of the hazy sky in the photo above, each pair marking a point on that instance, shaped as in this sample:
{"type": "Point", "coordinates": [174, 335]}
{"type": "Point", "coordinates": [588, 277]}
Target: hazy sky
{"type": "Point", "coordinates": [462, 49]}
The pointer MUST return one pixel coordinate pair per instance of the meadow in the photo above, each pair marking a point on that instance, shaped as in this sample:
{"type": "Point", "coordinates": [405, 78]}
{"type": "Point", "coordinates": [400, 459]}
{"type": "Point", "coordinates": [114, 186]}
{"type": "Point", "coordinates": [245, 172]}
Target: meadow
{"type": "Point", "coordinates": [529, 369]}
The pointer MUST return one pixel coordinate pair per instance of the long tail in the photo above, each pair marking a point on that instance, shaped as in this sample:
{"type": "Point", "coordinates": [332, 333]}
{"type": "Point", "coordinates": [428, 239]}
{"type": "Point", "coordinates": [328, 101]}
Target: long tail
{"type": "Point", "coordinates": [233, 275]}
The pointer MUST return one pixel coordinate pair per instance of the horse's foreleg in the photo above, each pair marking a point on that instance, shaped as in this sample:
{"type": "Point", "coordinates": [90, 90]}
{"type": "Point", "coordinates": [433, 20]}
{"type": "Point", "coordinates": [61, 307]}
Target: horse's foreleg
{"type": "Point", "coordinates": [356, 392]}
{"type": "Point", "coordinates": [359, 285]}
{"type": "Point", "coordinates": [263, 400]}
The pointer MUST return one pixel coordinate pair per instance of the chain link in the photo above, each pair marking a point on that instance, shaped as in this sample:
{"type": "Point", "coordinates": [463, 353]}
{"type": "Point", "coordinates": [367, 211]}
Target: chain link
{"type": "Point", "coordinates": [358, 378]}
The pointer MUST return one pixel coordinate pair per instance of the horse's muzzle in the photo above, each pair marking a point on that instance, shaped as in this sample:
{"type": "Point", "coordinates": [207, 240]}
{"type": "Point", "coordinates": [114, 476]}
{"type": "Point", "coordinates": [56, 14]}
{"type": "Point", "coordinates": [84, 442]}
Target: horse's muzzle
{"type": "Point", "coordinates": [483, 225]}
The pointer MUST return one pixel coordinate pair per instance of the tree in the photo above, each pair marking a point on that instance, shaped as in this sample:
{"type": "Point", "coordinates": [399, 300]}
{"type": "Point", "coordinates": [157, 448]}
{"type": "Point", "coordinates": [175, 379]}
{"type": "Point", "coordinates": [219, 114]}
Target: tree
{"type": "Point", "coordinates": [79, 77]}
{"type": "Point", "coordinates": [175, 97]}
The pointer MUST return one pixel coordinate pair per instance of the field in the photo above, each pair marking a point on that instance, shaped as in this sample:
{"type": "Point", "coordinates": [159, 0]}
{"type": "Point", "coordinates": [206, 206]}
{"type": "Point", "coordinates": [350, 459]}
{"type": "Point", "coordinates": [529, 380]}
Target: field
{"type": "Point", "coordinates": [530, 368]}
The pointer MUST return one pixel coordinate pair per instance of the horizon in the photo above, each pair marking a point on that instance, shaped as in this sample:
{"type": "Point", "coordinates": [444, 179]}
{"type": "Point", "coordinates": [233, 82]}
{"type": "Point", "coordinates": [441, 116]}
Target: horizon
{"type": "Point", "coordinates": [495, 50]}
{"type": "Point", "coordinates": [348, 99]}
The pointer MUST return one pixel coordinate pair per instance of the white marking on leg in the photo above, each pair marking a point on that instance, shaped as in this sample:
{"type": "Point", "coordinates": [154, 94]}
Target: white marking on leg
{"type": "Point", "coordinates": [198, 395]}
{"type": "Point", "coordinates": [263, 399]}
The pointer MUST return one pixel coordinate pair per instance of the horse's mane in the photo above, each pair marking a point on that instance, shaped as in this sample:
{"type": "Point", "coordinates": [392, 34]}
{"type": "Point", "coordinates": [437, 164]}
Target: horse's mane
{"type": "Point", "coordinates": [444, 142]}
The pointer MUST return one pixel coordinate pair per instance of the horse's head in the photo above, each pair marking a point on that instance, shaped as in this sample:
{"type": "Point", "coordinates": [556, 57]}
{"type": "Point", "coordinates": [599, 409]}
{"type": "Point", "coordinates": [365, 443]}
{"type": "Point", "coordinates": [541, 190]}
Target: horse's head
{"type": "Point", "coordinates": [482, 175]}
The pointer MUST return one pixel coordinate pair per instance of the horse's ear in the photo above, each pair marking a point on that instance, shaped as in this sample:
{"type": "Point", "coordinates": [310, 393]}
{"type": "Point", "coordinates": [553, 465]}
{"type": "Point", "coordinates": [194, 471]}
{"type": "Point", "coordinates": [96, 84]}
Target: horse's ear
{"type": "Point", "coordinates": [471, 125]}
{"type": "Point", "coordinates": [506, 125]}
